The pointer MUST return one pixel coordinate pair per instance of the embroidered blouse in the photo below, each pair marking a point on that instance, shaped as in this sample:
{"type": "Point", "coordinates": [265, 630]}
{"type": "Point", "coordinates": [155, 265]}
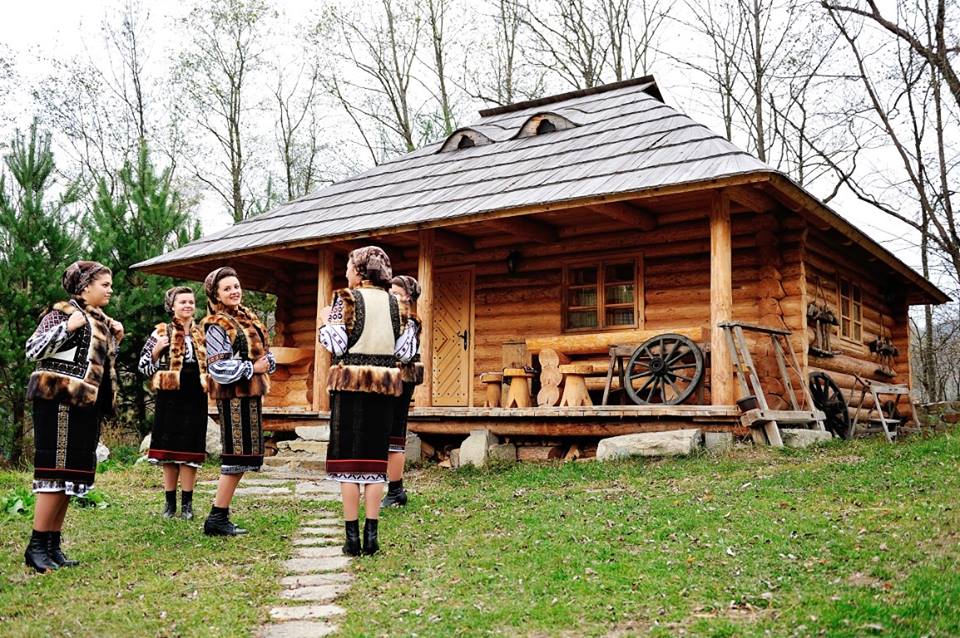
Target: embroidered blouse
{"type": "Point", "coordinates": [227, 367]}
{"type": "Point", "coordinates": [148, 367]}
{"type": "Point", "coordinates": [333, 336]}
{"type": "Point", "coordinates": [50, 334]}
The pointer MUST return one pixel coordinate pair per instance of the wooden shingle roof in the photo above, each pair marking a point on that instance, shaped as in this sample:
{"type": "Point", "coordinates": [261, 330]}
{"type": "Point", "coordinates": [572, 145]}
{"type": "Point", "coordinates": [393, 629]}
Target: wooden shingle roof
{"type": "Point", "coordinates": [624, 140]}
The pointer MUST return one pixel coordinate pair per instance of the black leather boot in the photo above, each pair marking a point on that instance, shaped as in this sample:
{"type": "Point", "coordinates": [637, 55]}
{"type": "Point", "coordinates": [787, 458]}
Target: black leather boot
{"type": "Point", "coordinates": [370, 544]}
{"type": "Point", "coordinates": [218, 523]}
{"type": "Point", "coordinates": [171, 509]}
{"type": "Point", "coordinates": [186, 506]}
{"type": "Point", "coordinates": [56, 554]}
{"type": "Point", "coordinates": [352, 546]}
{"type": "Point", "coordinates": [36, 555]}
{"type": "Point", "coordinates": [395, 497]}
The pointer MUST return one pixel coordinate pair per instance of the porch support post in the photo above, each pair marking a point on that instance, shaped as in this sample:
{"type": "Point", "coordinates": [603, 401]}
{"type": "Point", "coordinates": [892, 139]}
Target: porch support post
{"type": "Point", "coordinates": [721, 299]}
{"type": "Point", "coordinates": [321, 357]}
{"type": "Point", "coordinates": [423, 395]}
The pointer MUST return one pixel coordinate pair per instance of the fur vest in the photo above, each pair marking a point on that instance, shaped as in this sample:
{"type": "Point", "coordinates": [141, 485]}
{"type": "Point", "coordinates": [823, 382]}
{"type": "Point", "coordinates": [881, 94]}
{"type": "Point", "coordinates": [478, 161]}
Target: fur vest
{"type": "Point", "coordinates": [171, 361]}
{"type": "Point", "coordinates": [248, 338]}
{"type": "Point", "coordinates": [73, 374]}
{"type": "Point", "coordinates": [371, 317]}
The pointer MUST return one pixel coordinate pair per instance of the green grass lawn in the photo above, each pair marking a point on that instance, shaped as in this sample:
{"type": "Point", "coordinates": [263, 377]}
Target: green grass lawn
{"type": "Point", "coordinates": [142, 575]}
{"type": "Point", "coordinates": [852, 539]}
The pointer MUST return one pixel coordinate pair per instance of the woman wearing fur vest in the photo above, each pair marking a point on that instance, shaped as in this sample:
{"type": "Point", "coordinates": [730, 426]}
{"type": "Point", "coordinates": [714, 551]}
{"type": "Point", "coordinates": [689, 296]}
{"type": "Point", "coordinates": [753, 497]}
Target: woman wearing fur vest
{"type": "Point", "coordinates": [366, 335]}
{"type": "Point", "coordinates": [75, 347]}
{"type": "Point", "coordinates": [407, 290]}
{"type": "Point", "coordinates": [238, 364]}
{"type": "Point", "coordinates": [175, 359]}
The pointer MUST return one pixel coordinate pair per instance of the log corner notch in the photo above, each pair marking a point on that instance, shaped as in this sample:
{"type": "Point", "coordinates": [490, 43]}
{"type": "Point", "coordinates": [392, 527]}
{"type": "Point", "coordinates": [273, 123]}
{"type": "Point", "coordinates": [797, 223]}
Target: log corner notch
{"type": "Point", "coordinates": [423, 395]}
{"type": "Point", "coordinates": [321, 358]}
{"type": "Point", "coordinates": [721, 299]}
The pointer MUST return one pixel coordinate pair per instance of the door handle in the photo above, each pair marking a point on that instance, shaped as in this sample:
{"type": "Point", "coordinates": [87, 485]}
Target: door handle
{"type": "Point", "coordinates": [465, 335]}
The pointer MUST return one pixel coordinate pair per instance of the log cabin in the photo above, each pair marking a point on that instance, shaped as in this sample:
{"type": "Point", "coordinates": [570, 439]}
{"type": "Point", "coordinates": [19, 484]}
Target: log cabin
{"type": "Point", "coordinates": [550, 231]}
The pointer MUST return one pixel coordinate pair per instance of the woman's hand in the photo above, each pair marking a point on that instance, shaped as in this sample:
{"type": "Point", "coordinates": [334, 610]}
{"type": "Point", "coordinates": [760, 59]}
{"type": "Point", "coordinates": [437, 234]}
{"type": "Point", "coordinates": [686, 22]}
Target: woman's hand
{"type": "Point", "coordinates": [325, 314]}
{"type": "Point", "coordinates": [261, 366]}
{"type": "Point", "coordinates": [76, 321]}
{"type": "Point", "coordinates": [162, 344]}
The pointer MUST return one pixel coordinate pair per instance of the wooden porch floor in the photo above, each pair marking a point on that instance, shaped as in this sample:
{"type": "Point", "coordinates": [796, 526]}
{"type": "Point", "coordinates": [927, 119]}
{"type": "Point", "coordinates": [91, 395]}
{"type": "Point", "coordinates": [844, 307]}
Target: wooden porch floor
{"type": "Point", "coordinates": [591, 421]}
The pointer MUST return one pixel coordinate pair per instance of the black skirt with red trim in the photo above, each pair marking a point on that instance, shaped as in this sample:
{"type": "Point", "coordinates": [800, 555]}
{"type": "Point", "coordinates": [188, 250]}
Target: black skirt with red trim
{"type": "Point", "coordinates": [65, 437]}
{"type": "Point", "coordinates": [180, 425]}
{"type": "Point", "coordinates": [398, 429]}
{"type": "Point", "coordinates": [360, 425]}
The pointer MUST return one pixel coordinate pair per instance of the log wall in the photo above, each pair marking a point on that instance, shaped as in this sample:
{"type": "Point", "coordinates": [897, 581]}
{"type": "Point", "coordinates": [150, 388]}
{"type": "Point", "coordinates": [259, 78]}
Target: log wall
{"type": "Point", "coordinates": [824, 258]}
{"type": "Point", "coordinates": [291, 385]}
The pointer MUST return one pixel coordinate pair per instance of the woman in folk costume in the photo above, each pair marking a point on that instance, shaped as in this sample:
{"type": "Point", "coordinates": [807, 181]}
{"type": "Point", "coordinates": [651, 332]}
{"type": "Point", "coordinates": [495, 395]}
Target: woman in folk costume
{"type": "Point", "coordinates": [238, 362]}
{"type": "Point", "coordinates": [364, 332]}
{"type": "Point", "coordinates": [407, 291]}
{"type": "Point", "coordinates": [175, 359]}
{"type": "Point", "coordinates": [75, 348]}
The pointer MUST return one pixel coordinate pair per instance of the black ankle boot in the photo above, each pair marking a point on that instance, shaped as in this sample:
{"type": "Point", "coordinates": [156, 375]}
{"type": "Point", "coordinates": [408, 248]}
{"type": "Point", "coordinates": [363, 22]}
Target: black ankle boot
{"type": "Point", "coordinates": [36, 555]}
{"type": "Point", "coordinates": [370, 544]}
{"type": "Point", "coordinates": [56, 554]}
{"type": "Point", "coordinates": [352, 546]}
{"type": "Point", "coordinates": [218, 523]}
{"type": "Point", "coordinates": [186, 506]}
{"type": "Point", "coordinates": [395, 497]}
{"type": "Point", "coordinates": [171, 509]}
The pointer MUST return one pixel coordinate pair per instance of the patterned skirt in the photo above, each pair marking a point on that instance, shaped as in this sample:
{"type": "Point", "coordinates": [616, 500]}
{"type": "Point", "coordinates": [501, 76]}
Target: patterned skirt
{"type": "Point", "coordinates": [359, 427]}
{"type": "Point", "coordinates": [398, 430]}
{"type": "Point", "coordinates": [180, 425]}
{"type": "Point", "coordinates": [241, 432]}
{"type": "Point", "coordinates": [66, 439]}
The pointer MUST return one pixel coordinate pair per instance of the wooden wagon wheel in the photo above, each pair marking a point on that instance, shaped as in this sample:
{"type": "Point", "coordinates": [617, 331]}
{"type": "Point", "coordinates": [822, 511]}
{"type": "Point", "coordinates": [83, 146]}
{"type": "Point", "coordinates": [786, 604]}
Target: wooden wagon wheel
{"type": "Point", "coordinates": [664, 370]}
{"type": "Point", "coordinates": [828, 398]}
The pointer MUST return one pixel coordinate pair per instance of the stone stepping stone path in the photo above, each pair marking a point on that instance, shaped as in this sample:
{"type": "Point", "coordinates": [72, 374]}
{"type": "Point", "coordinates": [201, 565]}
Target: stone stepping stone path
{"type": "Point", "coordinates": [317, 577]}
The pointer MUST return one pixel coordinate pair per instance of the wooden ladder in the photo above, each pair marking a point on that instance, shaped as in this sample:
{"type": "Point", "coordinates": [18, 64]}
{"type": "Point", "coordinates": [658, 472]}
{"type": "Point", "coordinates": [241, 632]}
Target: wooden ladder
{"type": "Point", "coordinates": [762, 421]}
{"type": "Point", "coordinates": [876, 389]}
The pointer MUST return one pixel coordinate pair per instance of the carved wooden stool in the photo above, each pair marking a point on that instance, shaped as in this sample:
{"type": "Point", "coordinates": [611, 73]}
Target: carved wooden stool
{"type": "Point", "coordinates": [575, 392]}
{"type": "Point", "coordinates": [519, 394]}
{"type": "Point", "coordinates": [492, 380]}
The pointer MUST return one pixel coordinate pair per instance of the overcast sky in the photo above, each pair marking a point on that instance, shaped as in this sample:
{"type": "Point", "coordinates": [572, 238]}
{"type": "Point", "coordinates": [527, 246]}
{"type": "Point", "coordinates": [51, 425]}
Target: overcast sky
{"type": "Point", "coordinates": [36, 32]}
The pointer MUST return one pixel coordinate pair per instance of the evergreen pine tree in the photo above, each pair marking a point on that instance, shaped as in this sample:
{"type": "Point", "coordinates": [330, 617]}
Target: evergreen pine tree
{"type": "Point", "coordinates": [36, 245]}
{"type": "Point", "coordinates": [142, 219]}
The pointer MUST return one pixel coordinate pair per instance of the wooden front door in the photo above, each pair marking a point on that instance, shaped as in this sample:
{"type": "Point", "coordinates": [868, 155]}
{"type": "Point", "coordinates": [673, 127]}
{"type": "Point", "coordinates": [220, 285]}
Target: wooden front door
{"type": "Point", "coordinates": [452, 337]}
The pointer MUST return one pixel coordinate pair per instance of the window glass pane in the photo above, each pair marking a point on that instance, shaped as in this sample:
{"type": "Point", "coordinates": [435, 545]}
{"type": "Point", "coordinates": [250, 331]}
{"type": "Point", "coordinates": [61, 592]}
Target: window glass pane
{"type": "Point", "coordinates": [856, 312]}
{"type": "Point", "coordinates": [845, 327]}
{"type": "Point", "coordinates": [619, 272]}
{"type": "Point", "coordinates": [844, 289]}
{"type": "Point", "coordinates": [856, 294]}
{"type": "Point", "coordinates": [582, 297]}
{"type": "Point", "coordinates": [581, 319]}
{"type": "Point", "coordinates": [856, 331]}
{"type": "Point", "coordinates": [621, 293]}
{"type": "Point", "coordinates": [845, 306]}
{"type": "Point", "coordinates": [619, 317]}
{"type": "Point", "coordinates": [581, 276]}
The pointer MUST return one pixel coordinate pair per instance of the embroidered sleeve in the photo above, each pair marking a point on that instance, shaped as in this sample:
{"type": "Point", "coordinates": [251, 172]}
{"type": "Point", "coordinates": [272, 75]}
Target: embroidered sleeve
{"type": "Point", "coordinates": [147, 366]}
{"type": "Point", "coordinates": [48, 337]}
{"type": "Point", "coordinates": [333, 336]}
{"type": "Point", "coordinates": [220, 362]}
{"type": "Point", "coordinates": [272, 360]}
{"type": "Point", "coordinates": [408, 343]}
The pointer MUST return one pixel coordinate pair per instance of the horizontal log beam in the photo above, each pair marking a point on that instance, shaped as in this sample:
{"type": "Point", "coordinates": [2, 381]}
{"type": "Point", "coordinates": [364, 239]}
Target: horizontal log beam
{"type": "Point", "coordinates": [627, 213]}
{"type": "Point", "coordinates": [526, 229]}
